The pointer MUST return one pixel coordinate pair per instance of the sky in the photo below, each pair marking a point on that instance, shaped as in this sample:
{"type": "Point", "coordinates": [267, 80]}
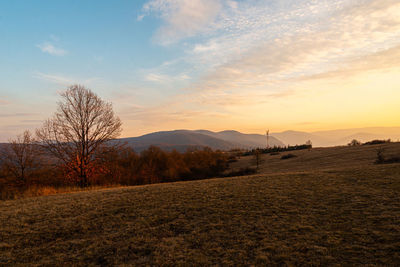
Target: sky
{"type": "Point", "coordinates": [245, 65]}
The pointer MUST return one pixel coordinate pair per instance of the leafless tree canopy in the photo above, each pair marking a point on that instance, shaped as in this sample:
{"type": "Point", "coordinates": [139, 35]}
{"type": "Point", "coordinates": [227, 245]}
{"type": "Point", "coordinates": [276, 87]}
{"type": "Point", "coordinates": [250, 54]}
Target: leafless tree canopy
{"type": "Point", "coordinates": [20, 156]}
{"type": "Point", "coordinates": [81, 125]}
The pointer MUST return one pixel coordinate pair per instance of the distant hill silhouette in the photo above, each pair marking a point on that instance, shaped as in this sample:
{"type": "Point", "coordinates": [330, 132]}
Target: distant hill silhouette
{"type": "Point", "coordinates": [296, 137]}
{"type": "Point", "coordinates": [181, 140]}
{"type": "Point", "coordinates": [243, 140]}
{"type": "Point", "coordinates": [338, 137]}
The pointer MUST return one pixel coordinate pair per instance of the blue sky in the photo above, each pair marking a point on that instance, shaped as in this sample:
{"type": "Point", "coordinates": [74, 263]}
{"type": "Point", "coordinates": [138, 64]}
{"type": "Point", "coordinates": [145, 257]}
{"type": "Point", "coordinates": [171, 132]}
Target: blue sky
{"type": "Point", "coordinates": [214, 64]}
{"type": "Point", "coordinates": [82, 39]}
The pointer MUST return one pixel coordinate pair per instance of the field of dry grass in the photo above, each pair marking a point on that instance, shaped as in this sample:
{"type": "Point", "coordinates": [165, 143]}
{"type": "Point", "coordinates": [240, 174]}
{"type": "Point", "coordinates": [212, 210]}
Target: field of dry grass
{"type": "Point", "coordinates": [329, 206]}
{"type": "Point", "coordinates": [331, 158]}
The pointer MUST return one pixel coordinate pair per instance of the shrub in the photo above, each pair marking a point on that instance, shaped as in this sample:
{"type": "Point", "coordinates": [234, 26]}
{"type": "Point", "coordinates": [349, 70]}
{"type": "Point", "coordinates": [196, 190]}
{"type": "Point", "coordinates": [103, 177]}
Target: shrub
{"type": "Point", "coordinates": [242, 172]}
{"type": "Point", "coordinates": [232, 158]}
{"type": "Point", "coordinates": [392, 160]}
{"type": "Point", "coordinates": [257, 157]}
{"type": "Point", "coordinates": [381, 159]}
{"type": "Point", "coordinates": [288, 156]}
{"type": "Point", "coordinates": [377, 142]}
{"type": "Point", "coordinates": [276, 149]}
{"type": "Point", "coordinates": [354, 142]}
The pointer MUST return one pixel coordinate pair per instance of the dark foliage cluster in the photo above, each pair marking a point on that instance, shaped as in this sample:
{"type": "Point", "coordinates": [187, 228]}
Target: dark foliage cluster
{"type": "Point", "coordinates": [377, 142]}
{"type": "Point", "coordinates": [288, 156]}
{"type": "Point", "coordinates": [276, 149]}
{"type": "Point", "coordinates": [154, 165]}
{"type": "Point", "coordinates": [241, 172]}
{"type": "Point", "coordinates": [355, 142]}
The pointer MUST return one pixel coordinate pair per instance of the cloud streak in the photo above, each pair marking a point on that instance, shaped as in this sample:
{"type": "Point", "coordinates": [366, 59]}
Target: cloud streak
{"type": "Point", "coordinates": [18, 114]}
{"type": "Point", "coordinates": [182, 18]}
{"type": "Point", "coordinates": [4, 102]}
{"type": "Point", "coordinates": [50, 49]}
{"type": "Point", "coordinates": [165, 79]}
{"type": "Point", "coordinates": [64, 80]}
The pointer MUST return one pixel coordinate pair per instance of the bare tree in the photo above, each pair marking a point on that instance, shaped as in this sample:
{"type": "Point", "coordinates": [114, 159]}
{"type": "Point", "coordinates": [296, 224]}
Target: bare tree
{"type": "Point", "coordinates": [257, 157]}
{"type": "Point", "coordinates": [21, 157]}
{"type": "Point", "coordinates": [82, 124]}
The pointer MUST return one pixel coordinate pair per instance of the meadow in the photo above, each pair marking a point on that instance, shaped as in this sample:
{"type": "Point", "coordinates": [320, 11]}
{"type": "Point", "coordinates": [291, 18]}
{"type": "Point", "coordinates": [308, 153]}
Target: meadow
{"type": "Point", "coordinates": [326, 206]}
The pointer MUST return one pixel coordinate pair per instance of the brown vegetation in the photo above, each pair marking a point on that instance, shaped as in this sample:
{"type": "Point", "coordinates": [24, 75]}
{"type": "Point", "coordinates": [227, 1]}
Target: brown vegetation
{"type": "Point", "coordinates": [341, 215]}
{"type": "Point", "coordinates": [20, 158]}
{"type": "Point", "coordinates": [120, 165]}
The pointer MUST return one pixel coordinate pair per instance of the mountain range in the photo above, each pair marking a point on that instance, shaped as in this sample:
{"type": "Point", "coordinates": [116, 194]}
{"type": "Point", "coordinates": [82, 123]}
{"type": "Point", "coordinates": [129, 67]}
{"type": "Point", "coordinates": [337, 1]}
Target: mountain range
{"type": "Point", "coordinates": [229, 139]}
{"type": "Point", "coordinates": [181, 140]}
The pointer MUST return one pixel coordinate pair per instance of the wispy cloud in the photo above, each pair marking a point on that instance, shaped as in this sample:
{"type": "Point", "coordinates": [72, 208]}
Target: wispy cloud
{"type": "Point", "coordinates": [49, 48]}
{"type": "Point", "coordinates": [163, 78]}
{"type": "Point", "coordinates": [4, 102]}
{"type": "Point", "coordinates": [182, 18]}
{"type": "Point", "coordinates": [18, 114]}
{"type": "Point", "coordinates": [381, 60]}
{"type": "Point", "coordinates": [64, 80]}
{"type": "Point", "coordinates": [171, 74]}
{"type": "Point", "coordinates": [163, 117]}
{"type": "Point", "coordinates": [58, 79]}
{"type": "Point", "coordinates": [98, 59]}
{"type": "Point", "coordinates": [31, 121]}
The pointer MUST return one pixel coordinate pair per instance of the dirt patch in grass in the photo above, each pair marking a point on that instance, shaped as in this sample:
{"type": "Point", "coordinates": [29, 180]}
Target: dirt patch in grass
{"type": "Point", "coordinates": [332, 217]}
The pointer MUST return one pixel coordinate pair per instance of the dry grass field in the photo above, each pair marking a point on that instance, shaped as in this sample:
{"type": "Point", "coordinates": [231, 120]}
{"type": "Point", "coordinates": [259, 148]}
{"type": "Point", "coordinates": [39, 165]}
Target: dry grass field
{"type": "Point", "coordinates": [328, 206]}
{"type": "Point", "coordinates": [331, 158]}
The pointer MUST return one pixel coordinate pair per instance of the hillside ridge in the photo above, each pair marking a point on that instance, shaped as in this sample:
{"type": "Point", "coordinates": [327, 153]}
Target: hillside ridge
{"type": "Point", "coordinates": [184, 139]}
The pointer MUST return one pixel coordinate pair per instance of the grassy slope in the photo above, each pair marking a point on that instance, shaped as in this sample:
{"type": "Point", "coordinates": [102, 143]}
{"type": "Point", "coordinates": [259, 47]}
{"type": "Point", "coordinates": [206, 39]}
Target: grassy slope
{"type": "Point", "coordinates": [313, 209]}
{"type": "Point", "coordinates": [321, 159]}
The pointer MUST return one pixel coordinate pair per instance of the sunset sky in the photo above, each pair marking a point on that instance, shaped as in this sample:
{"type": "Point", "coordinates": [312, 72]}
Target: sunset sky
{"type": "Point", "coordinates": [204, 64]}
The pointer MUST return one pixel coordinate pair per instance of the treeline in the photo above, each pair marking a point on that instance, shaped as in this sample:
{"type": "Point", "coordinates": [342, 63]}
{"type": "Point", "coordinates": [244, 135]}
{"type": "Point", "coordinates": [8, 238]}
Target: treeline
{"type": "Point", "coordinates": [154, 165]}
{"type": "Point", "coordinates": [355, 142]}
{"type": "Point", "coordinates": [116, 165]}
{"type": "Point", "coordinates": [276, 149]}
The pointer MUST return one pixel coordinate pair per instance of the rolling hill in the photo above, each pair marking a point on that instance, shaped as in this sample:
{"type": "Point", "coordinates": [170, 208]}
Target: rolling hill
{"type": "Point", "coordinates": [184, 139]}
{"type": "Point", "coordinates": [244, 140]}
